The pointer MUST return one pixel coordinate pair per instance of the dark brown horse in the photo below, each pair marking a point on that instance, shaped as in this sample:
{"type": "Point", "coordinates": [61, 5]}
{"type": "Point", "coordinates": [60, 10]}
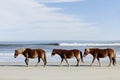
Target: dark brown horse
{"type": "Point", "coordinates": [31, 53]}
{"type": "Point", "coordinates": [101, 53]}
{"type": "Point", "coordinates": [64, 54]}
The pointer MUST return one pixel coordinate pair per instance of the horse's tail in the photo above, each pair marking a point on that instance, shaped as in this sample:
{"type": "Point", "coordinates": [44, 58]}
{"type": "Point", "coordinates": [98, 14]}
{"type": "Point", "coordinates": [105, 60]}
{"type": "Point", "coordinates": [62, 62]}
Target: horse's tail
{"type": "Point", "coordinates": [45, 60]}
{"type": "Point", "coordinates": [81, 57]}
{"type": "Point", "coordinates": [114, 58]}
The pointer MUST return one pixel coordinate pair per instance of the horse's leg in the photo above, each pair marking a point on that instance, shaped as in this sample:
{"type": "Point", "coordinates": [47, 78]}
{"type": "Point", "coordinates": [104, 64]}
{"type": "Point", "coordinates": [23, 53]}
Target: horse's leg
{"type": "Point", "coordinates": [43, 61]}
{"type": "Point", "coordinates": [99, 62]}
{"type": "Point", "coordinates": [110, 61]}
{"type": "Point", "coordinates": [114, 59]}
{"type": "Point", "coordinates": [26, 61]}
{"type": "Point", "coordinates": [61, 61]}
{"type": "Point", "coordinates": [38, 60]}
{"type": "Point", "coordinates": [67, 61]}
{"type": "Point", "coordinates": [92, 61]}
{"type": "Point", "coordinates": [78, 60]}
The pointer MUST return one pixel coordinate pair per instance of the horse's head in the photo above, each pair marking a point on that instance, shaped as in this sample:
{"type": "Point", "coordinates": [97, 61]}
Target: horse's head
{"type": "Point", "coordinates": [16, 54]}
{"type": "Point", "coordinates": [86, 52]}
{"type": "Point", "coordinates": [56, 51]}
{"type": "Point", "coordinates": [19, 51]}
{"type": "Point", "coordinates": [53, 52]}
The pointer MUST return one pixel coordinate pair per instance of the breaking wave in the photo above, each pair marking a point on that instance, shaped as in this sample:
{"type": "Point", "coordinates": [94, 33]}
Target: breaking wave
{"type": "Point", "coordinates": [89, 44]}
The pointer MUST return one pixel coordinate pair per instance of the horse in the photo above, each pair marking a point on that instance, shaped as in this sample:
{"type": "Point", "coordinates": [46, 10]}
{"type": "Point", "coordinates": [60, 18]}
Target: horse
{"type": "Point", "coordinates": [101, 53]}
{"type": "Point", "coordinates": [64, 54]}
{"type": "Point", "coordinates": [31, 53]}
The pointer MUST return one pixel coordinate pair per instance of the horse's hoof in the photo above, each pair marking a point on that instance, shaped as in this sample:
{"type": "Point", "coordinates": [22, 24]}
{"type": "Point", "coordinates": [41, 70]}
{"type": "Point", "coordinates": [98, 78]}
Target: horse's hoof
{"type": "Point", "coordinates": [36, 65]}
{"type": "Point", "coordinates": [99, 65]}
{"type": "Point", "coordinates": [44, 66]}
{"type": "Point", "coordinates": [90, 65]}
{"type": "Point", "coordinates": [27, 65]}
{"type": "Point", "coordinates": [60, 65]}
{"type": "Point", "coordinates": [77, 65]}
{"type": "Point", "coordinates": [109, 65]}
{"type": "Point", "coordinates": [68, 65]}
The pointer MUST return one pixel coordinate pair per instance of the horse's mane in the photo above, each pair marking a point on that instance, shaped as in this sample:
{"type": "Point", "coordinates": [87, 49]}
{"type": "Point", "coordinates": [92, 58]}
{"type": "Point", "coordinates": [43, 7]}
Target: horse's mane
{"type": "Point", "coordinates": [21, 50]}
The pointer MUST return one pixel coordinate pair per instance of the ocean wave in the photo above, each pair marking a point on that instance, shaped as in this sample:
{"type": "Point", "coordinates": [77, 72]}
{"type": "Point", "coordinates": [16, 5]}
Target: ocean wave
{"type": "Point", "coordinates": [89, 44]}
{"type": "Point", "coordinates": [6, 54]}
{"type": "Point", "coordinates": [61, 44]}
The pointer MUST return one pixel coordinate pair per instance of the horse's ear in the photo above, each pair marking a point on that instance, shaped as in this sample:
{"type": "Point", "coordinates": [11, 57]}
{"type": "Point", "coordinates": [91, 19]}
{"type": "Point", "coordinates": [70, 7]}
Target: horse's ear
{"type": "Point", "coordinates": [16, 50]}
{"type": "Point", "coordinates": [54, 49]}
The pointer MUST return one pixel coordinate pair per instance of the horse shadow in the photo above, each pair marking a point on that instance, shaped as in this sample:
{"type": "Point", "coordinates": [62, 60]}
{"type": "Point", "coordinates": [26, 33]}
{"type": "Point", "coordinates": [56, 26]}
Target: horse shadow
{"type": "Point", "coordinates": [22, 65]}
{"type": "Point", "coordinates": [49, 65]}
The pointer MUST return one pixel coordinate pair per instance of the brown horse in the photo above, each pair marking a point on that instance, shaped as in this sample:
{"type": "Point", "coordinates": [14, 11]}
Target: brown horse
{"type": "Point", "coordinates": [64, 54]}
{"type": "Point", "coordinates": [101, 53]}
{"type": "Point", "coordinates": [31, 53]}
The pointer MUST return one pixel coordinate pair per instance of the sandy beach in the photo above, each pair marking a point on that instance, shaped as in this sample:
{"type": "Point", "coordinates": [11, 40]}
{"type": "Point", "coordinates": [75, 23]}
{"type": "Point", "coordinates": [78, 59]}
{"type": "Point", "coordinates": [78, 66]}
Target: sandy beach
{"type": "Point", "coordinates": [18, 71]}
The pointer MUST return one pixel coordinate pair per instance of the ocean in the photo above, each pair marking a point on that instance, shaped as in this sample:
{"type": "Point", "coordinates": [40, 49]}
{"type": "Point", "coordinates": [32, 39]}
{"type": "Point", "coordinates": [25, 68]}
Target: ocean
{"type": "Point", "coordinates": [7, 49]}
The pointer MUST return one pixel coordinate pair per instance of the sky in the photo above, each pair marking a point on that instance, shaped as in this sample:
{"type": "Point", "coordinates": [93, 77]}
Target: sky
{"type": "Point", "coordinates": [39, 20]}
